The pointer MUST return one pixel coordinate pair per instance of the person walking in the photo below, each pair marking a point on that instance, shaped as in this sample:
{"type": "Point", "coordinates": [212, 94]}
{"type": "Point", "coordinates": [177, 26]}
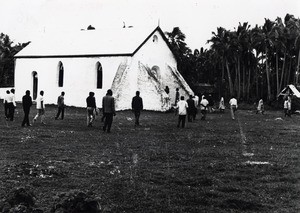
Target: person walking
{"type": "Point", "coordinates": [6, 107]}
{"type": "Point", "coordinates": [108, 107]}
{"type": "Point", "coordinates": [40, 106]}
{"type": "Point", "coordinates": [137, 106]}
{"type": "Point", "coordinates": [196, 99]}
{"type": "Point", "coordinates": [182, 107]}
{"type": "Point", "coordinates": [90, 109]}
{"type": "Point", "coordinates": [177, 96]}
{"type": "Point", "coordinates": [27, 103]}
{"type": "Point", "coordinates": [260, 107]}
{"type": "Point", "coordinates": [233, 106]}
{"type": "Point", "coordinates": [204, 107]}
{"type": "Point", "coordinates": [60, 106]}
{"type": "Point", "coordinates": [210, 103]}
{"type": "Point", "coordinates": [287, 105]}
{"type": "Point", "coordinates": [11, 104]}
{"type": "Point", "coordinates": [222, 105]}
{"type": "Point", "coordinates": [191, 111]}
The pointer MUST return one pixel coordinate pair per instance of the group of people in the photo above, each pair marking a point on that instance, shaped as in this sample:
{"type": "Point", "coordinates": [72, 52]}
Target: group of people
{"type": "Point", "coordinates": [189, 108]}
{"type": "Point", "coordinates": [9, 104]}
{"type": "Point", "coordinates": [183, 109]}
{"type": "Point", "coordinates": [108, 109]}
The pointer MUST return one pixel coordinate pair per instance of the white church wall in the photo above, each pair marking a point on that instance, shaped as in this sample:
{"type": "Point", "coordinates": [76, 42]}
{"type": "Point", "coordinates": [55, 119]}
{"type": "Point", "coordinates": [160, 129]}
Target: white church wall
{"type": "Point", "coordinates": [3, 91]}
{"type": "Point", "coordinates": [156, 53]}
{"type": "Point", "coordinates": [79, 78]}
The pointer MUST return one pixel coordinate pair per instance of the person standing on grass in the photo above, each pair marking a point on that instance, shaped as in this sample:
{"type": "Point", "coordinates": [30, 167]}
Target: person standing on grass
{"type": "Point", "coordinates": [260, 107]}
{"type": "Point", "coordinates": [60, 106]}
{"type": "Point", "coordinates": [27, 103]}
{"type": "Point", "coordinates": [182, 107]}
{"type": "Point", "coordinates": [177, 95]}
{"type": "Point", "coordinates": [196, 99]}
{"type": "Point", "coordinates": [222, 105]}
{"type": "Point", "coordinates": [233, 107]}
{"type": "Point", "coordinates": [191, 111]}
{"type": "Point", "coordinates": [108, 107]}
{"type": "Point", "coordinates": [40, 106]}
{"type": "Point", "coordinates": [204, 107]}
{"type": "Point", "coordinates": [90, 109]}
{"type": "Point", "coordinates": [287, 107]}
{"type": "Point", "coordinates": [11, 104]}
{"type": "Point", "coordinates": [6, 107]}
{"type": "Point", "coordinates": [137, 106]}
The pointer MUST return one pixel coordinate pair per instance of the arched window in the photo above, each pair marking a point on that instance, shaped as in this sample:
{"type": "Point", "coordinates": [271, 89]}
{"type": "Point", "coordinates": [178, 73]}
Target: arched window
{"type": "Point", "coordinates": [60, 74]}
{"type": "Point", "coordinates": [155, 72]}
{"type": "Point", "coordinates": [99, 73]}
{"type": "Point", "coordinates": [155, 39]}
{"type": "Point", "coordinates": [34, 84]}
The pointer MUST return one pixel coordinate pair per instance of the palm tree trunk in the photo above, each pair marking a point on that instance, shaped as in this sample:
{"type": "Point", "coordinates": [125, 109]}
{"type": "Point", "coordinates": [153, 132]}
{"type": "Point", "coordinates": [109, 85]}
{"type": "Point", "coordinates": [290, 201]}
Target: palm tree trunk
{"type": "Point", "coordinates": [244, 82]}
{"type": "Point", "coordinates": [289, 72]}
{"type": "Point", "coordinates": [229, 78]}
{"type": "Point", "coordinates": [268, 81]}
{"type": "Point", "coordinates": [297, 69]}
{"type": "Point", "coordinates": [268, 77]}
{"type": "Point", "coordinates": [248, 84]}
{"type": "Point", "coordinates": [277, 75]}
{"type": "Point", "coordinates": [256, 79]}
{"type": "Point", "coordinates": [282, 72]}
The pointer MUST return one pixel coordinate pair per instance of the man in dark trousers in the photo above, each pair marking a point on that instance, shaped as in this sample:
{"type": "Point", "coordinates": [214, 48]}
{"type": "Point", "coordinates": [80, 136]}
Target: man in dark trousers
{"type": "Point", "coordinates": [177, 96]}
{"type": "Point", "coordinates": [6, 107]}
{"type": "Point", "coordinates": [11, 103]}
{"type": "Point", "coordinates": [108, 107]}
{"type": "Point", "coordinates": [60, 106]}
{"type": "Point", "coordinates": [192, 109]}
{"type": "Point", "coordinates": [137, 106]}
{"type": "Point", "coordinates": [90, 109]}
{"type": "Point", "coordinates": [27, 103]}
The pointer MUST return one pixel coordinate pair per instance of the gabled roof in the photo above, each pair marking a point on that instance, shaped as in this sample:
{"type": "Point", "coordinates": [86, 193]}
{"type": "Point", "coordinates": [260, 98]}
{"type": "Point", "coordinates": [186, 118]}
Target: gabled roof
{"type": "Point", "coordinates": [109, 42]}
{"type": "Point", "coordinates": [290, 89]}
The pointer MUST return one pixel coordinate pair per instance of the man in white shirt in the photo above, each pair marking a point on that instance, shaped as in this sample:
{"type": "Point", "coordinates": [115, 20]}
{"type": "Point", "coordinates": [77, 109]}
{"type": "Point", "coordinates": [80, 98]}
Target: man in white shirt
{"type": "Point", "coordinates": [203, 107]}
{"type": "Point", "coordinates": [233, 107]}
{"type": "Point", "coordinates": [40, 106]}
{"type": "Point", "coordinates": [182, 106]}
{"type": "Point", "coordinates": [11, 103]}
{"type": "Point", "coordinates": [196, 99]}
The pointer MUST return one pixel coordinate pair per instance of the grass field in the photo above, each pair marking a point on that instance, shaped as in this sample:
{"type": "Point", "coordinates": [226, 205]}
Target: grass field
{"type": "Point", "coordinates": [251, 164]}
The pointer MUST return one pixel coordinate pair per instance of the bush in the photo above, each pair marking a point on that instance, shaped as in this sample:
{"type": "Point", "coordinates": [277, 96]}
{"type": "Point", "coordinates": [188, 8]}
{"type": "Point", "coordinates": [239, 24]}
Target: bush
{"type": "Point", "coordinates": [76, 202]}
{"type": "Point", "coordinates": [19, 200]}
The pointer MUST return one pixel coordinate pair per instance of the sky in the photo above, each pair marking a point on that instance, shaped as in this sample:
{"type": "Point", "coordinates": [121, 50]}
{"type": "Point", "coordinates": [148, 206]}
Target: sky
{"type": "Point", "coordinates": [23, 20]}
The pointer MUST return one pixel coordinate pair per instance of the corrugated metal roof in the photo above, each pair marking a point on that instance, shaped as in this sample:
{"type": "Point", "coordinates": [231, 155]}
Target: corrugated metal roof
{"type": "Point", "coordinates": [123, 41]}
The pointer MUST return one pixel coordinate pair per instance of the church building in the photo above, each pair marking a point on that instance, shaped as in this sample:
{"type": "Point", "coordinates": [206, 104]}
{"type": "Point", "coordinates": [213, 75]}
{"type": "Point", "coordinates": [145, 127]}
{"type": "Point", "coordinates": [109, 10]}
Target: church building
{"type": "Point", "coordinates": [124, 60]}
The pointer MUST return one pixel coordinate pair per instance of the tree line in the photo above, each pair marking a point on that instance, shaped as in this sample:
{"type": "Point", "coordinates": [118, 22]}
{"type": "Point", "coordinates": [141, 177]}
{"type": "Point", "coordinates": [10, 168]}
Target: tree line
{"type": "Point", "coordinates": [249, 63]}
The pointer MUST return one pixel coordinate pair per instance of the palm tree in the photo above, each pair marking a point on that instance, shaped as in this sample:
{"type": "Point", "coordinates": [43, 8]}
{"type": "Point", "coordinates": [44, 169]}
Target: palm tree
{"type": "Point", "coordinates": [181, 51]}
{"type": "Point", "coordinates": [263, 43]}
{"type": "Point", "coordinates": [221, 45]}
{"type": "Point", "coordinates": [7, 52]}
